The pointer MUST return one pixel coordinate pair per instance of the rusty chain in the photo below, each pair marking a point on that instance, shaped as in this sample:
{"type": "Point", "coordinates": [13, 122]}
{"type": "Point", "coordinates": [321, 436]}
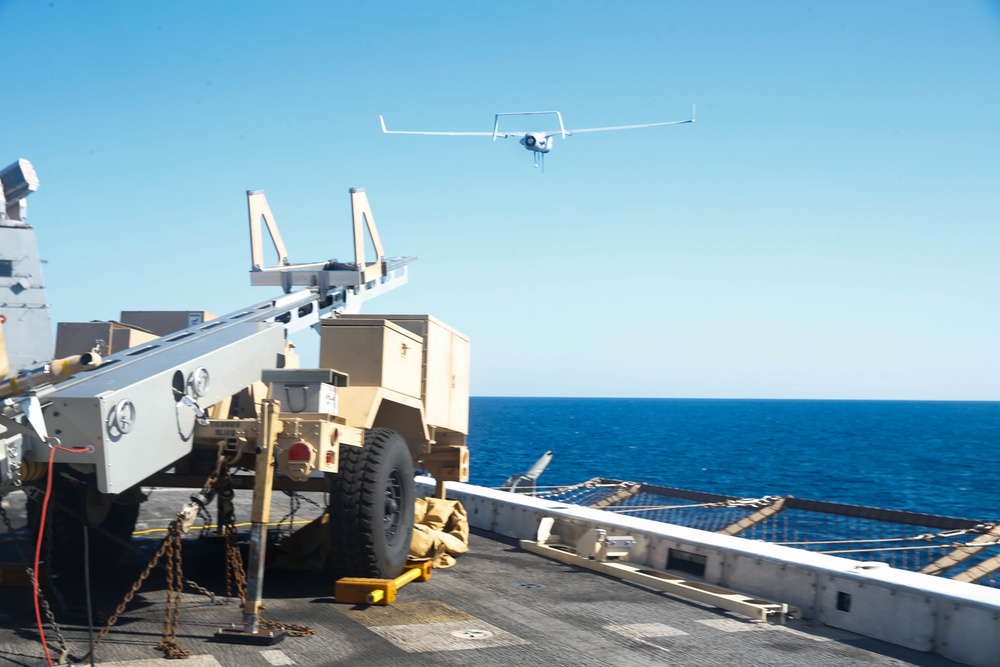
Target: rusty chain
{"type": "Point", "coordinates": [293, 629]}
{"type": "Point", "coordinates": [220, 460]}
{"type": "Point", "coordinates": [236, 574]}
{"type": "Point", "coordinates": [37, 586]}
{"type": "Point", "coordinates": [294, 503]}
{"type": "Point", "coordinates": [132, 591]}
{"type": "Point", "coordinates": [171, 548]}
{"type": "Point", "coordinates": [309, 500]}
{"type": "Point", "coordinates": [125, 545]}
{"type": "Point", "coordinates": [172, 612]}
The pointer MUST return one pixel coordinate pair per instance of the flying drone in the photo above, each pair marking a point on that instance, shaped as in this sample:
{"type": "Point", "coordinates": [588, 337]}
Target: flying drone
{"type": "Point", "coordinates": [539, 143]}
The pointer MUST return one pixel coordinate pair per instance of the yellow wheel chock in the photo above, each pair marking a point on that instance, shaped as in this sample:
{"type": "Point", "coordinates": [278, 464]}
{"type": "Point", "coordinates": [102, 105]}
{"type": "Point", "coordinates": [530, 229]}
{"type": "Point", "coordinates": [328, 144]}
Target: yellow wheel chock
{"type": "Point", "coordinates": [362, 590]}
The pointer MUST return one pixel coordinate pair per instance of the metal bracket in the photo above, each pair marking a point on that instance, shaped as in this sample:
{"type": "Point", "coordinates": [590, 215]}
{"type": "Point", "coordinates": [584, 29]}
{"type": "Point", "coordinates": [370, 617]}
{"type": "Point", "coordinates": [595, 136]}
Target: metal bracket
{"type": "Point", "coordinates": [200, 414]}
{"type": "Point", "coordinates": [597, 544]}
{"type": "Point", "coordinates": [361, 212]}
{"type": "Point", "coordinates": [260, 637]}
{"type": "Point", "coordinates": [260, 210]}
{"type": "Point", "coordinates": [31, 408]}
{"type": "Point", "coordinates": [321, 276]}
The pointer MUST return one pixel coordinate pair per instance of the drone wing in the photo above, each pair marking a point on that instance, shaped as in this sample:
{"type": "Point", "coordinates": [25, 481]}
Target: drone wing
{"type": "Point", "coordinates": [447, 134]}
{"type": "Point", "coordinates": [627, 127]}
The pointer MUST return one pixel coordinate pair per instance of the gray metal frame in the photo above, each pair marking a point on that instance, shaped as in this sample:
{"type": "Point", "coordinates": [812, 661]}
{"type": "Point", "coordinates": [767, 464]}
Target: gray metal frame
{"type": "Point", "coordinates": [137, 410]}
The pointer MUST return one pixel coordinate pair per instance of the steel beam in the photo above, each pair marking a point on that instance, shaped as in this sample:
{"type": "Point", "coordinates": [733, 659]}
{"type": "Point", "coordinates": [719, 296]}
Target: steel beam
{"type": "Point", "coordinates": [962, 554]}
{"type": "Point", "coordinates": [757, 517]}
{"type": "Point", "coordinates": [624, 492]}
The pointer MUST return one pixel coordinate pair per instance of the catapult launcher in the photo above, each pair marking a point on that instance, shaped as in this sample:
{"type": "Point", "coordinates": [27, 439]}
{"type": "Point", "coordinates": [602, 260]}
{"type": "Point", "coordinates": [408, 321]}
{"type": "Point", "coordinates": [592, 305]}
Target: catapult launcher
{"type": "Point", "coordinates": [175, 399]}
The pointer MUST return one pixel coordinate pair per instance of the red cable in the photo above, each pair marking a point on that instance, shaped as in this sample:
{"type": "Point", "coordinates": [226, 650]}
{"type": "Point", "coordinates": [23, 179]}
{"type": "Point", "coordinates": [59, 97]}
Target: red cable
{"type": "Point", "coordinates": [41, 533]}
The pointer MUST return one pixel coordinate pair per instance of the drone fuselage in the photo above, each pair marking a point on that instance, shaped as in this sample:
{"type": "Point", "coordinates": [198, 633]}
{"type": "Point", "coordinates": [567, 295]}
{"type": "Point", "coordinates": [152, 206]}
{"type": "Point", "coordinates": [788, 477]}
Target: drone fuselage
{"type": "Point", "coordinates": [537, 142]}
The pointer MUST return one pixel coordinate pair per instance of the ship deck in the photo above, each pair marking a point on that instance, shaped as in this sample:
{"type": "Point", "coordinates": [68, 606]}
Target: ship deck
{"type": "Point", "coordinates": [498, 606]}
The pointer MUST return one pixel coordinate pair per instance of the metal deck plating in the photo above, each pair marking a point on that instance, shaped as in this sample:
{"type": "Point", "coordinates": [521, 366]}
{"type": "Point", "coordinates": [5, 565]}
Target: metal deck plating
{"type": "Point", "coordinates": [499, 606]}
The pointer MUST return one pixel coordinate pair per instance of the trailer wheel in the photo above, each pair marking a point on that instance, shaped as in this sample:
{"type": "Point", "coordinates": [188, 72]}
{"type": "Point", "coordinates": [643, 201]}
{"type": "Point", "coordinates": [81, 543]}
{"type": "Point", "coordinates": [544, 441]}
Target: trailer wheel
{"type": "Point", "coordinates": [112, 520]}
{"type": "Point", "coordinates": [371, 507]}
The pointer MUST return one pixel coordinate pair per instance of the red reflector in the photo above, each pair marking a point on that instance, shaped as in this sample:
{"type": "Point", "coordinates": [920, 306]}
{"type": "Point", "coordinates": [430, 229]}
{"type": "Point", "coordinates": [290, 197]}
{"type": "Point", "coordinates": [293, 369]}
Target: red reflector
{"type": "Point", "coordinates": [299, 452]}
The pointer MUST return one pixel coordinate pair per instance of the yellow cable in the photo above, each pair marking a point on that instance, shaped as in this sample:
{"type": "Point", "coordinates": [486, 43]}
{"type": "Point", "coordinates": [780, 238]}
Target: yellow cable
{"type": "Point", "coordinates": [149, 531]}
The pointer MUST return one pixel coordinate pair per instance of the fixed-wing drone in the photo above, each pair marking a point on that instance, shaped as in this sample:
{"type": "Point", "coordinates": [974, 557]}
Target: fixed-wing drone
{"type": "Point", "coordinates": [539, 143]}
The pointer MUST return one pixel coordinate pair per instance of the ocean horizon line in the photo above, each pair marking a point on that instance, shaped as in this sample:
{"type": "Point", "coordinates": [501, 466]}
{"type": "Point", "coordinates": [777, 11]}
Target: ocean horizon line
{"type": "Point", "coordinates": [738, 398]}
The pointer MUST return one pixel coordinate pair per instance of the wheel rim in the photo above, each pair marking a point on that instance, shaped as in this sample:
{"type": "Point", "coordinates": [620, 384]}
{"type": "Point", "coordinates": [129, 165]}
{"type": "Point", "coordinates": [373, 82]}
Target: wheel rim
{"type": "Point", "coordinates": [393, 505]}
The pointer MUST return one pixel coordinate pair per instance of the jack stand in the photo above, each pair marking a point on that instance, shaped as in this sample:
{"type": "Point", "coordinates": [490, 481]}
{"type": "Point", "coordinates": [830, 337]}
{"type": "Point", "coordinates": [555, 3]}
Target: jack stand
{"type": "Point", "coordinates": [361, 590]}
{"type": "Point", "coordinates": [263, 479]}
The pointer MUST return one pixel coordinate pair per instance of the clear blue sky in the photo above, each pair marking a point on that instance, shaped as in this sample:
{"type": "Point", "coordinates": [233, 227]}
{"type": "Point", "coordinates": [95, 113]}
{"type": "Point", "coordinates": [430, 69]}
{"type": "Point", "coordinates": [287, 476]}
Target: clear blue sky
{"type": "Point", "coordinates": [827, 229]}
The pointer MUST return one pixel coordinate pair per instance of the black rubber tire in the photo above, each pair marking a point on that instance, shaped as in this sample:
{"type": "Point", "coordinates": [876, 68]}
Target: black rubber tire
{"type": "Point", "coordinates": [371, 507]}
{"type": "Point", "coordinates": [108, 538]}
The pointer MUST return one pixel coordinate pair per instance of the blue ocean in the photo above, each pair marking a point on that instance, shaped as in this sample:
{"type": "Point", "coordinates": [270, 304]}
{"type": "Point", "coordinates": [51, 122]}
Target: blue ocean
{"type": "Point", "coordinates": [922, 456]}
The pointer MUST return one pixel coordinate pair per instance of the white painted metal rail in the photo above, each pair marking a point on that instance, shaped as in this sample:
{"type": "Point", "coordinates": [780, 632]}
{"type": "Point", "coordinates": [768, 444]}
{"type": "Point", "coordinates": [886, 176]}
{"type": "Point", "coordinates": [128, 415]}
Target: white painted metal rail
{"type": "Point", "coordinates": [959, 621]}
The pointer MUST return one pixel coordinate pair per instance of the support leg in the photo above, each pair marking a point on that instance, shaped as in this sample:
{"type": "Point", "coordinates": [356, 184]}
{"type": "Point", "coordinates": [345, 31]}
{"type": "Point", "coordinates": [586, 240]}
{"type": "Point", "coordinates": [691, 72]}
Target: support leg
{"type": "Point", "coordinates": [263, 480]}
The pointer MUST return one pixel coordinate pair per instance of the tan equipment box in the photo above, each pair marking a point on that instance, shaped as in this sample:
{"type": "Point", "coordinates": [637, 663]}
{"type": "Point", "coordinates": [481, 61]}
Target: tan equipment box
{"type": "Point", "coordinates": [80, 337]}
{"type": "Point", "coordinates": [409, 373]}
{"type": "Point", "coordinates": [373, 353]}
{"type": "Point", "coordinates": [445, 386]}
{"type": "Point", "coordinates": [163, 322]}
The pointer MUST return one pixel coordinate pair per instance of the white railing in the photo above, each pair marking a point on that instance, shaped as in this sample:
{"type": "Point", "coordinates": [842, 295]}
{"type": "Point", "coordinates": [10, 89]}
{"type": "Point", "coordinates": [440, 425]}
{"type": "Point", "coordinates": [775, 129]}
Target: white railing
{"type": "Point", "coordinates": [959, 621]}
